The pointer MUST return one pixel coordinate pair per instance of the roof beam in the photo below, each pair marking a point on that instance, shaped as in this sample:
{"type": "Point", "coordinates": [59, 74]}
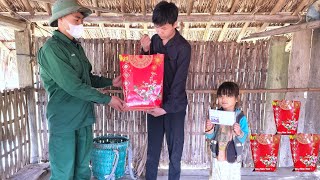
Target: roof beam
{"type": "Point", "coordinates": [127, 27]}
{"type": "Point", "coordinates": [234, 6]}
{"type": "Point", "coordinates": [186, 28]}
{"type": "Point", "coordinates": [95, 4]}
{"type": "Point", "coordinates": [190, 7]}
{"type": "Point", "coordinates": [275, 10]}
{"type": "Point", "coordinates": [285, 30]}
{"type": "Point", "coordinates": [243, 31]}
{"type": "Point", "coordinates": [103, 30]}
{"type": "Point", "coordinates": [300, 7]}
{"type": "Point", "coordinates": [207, 32]}
{"type": "Point", "coordinates": [145, 28]}
{"type": "Point", "coordinates": [4, 2]}
{"type": "Point", "coordinates": [26, 3]}
{"type": "Point", "coordinates": [143, 7]}
{"type": "Point", "coordinates": [184, 18]}
{"type": "Point", "coordinates": [214, 6]}
{"type": "Point", "coordinates": [48, 8]}
{"type": "Point", "coordinates": [122, 8]}
{"type": "Point", "coordinates": [12, 23]}
{"type": "Point", "coordinates": [226, 25]}
{"type": "Point", "coordinates": [223, 32]}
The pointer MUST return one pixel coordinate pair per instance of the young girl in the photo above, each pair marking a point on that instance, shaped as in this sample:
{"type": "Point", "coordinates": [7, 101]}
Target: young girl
{"type": "Point", "coordinates": [227, 141]}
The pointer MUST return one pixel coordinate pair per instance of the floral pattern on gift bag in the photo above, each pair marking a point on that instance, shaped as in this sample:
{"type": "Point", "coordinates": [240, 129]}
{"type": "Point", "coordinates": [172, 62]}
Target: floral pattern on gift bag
{"type": "Point", "coordinates": [142, 80]}
{"type": "Point", "coordinates": [304, 150]}
{"type": "Point", "coordinates": [265, 148]}
{"type": "Point", "coordinates": [286, 115]}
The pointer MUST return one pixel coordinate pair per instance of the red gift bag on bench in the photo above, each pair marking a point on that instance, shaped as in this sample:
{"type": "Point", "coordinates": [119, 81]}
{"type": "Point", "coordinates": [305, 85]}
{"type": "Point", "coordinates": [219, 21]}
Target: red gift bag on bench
{"type": "Point", "coordinates": [304, 150]}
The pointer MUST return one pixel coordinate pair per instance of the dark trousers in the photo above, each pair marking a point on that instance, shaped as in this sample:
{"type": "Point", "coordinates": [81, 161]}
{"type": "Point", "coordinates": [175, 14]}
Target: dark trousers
{"type": "Point", "coordinates": [172, 125]}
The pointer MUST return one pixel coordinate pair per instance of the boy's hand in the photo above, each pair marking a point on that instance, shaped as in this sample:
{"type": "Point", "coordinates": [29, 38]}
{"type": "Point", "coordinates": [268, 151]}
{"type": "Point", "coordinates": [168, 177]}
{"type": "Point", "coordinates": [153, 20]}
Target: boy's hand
{"type": "Point", "coordinates": [156, 112]}
{"type": "Point", "coordinates": [237, 129]}
{"type": "Point", "coordinates": [209, 126]}
{"type": "Point", "coordinates": [145, 42]}
{"type": "Point", "coordinates": [117, 82]}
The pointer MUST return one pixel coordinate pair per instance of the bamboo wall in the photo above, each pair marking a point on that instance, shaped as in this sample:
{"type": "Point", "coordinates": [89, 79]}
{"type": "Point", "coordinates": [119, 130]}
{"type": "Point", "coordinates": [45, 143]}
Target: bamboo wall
{"type": "Point", "coordinates": [211, 64]}
{"type": "Point", "coordinates": [14, 132]}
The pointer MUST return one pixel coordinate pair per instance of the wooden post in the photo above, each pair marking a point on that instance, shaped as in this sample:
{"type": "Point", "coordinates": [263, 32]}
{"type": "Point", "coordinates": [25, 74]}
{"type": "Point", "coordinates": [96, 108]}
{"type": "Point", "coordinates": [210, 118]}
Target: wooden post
{"type": "Point", "coordinates": [312, 114]}
{"type": "Point", "coordinates": [277, 77]}
{"type": "Point", "coordinates": [298, 73]}
{"type": "Point", "coordinates": [24, 59]}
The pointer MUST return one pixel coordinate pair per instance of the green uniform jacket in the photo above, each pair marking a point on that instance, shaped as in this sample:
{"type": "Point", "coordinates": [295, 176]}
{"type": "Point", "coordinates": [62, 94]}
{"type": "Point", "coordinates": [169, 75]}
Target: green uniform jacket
{"type": "Point", "coordinates": [66, 75]}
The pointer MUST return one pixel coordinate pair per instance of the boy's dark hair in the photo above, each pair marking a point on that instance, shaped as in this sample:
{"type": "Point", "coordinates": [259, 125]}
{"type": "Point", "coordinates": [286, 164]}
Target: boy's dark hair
{"type": "Point", "coordinates": [165, 12]}
{"type": "Point", "coordinates": [228, 89]}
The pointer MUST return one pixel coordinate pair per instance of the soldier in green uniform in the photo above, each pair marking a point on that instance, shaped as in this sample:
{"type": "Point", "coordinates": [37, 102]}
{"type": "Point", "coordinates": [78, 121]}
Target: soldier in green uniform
{"type": "Point", "coordinates": [67, 78]}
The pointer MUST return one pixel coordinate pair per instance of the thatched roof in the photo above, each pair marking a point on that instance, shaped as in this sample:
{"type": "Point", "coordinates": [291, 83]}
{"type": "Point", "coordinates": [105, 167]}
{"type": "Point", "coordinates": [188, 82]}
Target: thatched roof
{"type": "Point", "coordinates": [208, 20]}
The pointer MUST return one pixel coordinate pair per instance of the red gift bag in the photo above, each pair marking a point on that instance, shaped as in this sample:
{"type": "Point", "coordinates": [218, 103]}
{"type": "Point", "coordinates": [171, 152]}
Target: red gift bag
{"type": "Point", "coordinates": [142, 80]}
{"type": "Point", "coordinates": [265, 148]}
{"type": "Point", "coordinates": [286, 115]}
{"type": "Point", "coordinates": [304, 150]}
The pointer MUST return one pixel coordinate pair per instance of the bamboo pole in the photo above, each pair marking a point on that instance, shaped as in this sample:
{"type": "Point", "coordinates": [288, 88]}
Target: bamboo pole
{"type": "Point", "coordinates": [277, 18]}
{"type": "Point", "coordinates": [285, 30]}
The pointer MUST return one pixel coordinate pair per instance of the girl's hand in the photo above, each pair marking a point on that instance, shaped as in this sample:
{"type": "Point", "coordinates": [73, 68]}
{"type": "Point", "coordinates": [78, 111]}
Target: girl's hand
{"type": "Point", "coordinates": [237, 129]}
{"type": "Point", "coordinates": [209, 126]}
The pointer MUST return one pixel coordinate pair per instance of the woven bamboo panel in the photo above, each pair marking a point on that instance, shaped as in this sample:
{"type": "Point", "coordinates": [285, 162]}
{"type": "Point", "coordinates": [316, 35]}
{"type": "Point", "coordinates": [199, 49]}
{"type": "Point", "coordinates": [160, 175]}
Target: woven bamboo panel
{"type": "Point", "coordinates": [211, 64]}
{"type": "Point", "coordinates": [14, 132]}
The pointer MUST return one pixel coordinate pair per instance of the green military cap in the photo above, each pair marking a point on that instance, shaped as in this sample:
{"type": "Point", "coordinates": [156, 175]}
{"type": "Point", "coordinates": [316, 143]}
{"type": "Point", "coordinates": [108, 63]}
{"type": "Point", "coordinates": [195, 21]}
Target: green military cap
{"type": "Point", "coordinates": [64, 7]}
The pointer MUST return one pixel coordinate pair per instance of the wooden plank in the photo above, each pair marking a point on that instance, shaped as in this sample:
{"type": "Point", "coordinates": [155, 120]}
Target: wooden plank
{"type": "Point", "coordinates": [24, 135]}
{"type": "Point", "coordinates": [298, 73]}
{"type": "Point", "coordinates": [285, 30]}
{"type": "Point", "coordinates": [6, 133]}
{"type": "Point", "coordinates": [32, 171]}
{"type": "Point", "coordinates": [16, 131]}
{"type": "Point", "coordinates": [23, 52]}
{"type": "Point", "coordinates": [277, 78]}
{"type": "Point", "coordinates": [312, 124]}
{"type": "Point", "coordinates": [2, 139]}
{"type": "Point", "coordinates": [12, 23]}
{"type": "Point", "coordinates": [34, 153]}
{"type": "Point", "coordinates": [12, 167]}
{"type": "Point", "coordinates": [277, 18]}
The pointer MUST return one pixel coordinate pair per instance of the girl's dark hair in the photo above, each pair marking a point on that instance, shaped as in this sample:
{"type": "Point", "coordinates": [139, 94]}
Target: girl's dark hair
{"type": "Point", "coordinates": [165, 12]}
{"type": "Point", "coordinates": [228, 89]}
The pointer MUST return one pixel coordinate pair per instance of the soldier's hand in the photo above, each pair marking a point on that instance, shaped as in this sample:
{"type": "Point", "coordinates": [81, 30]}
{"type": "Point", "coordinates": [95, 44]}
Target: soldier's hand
{"type": "Point", "coordinates": [117, 103]}
{"type": "Point", "coordinates": [117, 82]}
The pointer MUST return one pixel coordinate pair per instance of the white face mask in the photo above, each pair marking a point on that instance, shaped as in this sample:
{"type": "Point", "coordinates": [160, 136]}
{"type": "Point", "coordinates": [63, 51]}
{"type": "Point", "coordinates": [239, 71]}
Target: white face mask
{"type": "Point", "coordinates": [75, 30]}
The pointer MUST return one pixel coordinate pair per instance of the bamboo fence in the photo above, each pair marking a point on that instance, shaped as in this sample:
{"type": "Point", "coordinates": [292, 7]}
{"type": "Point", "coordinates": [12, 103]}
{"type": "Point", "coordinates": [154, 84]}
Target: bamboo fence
{"type": "Point", "coordinates": [14, 132]}
{"type": "Point", "coordinates": [211, 64]}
